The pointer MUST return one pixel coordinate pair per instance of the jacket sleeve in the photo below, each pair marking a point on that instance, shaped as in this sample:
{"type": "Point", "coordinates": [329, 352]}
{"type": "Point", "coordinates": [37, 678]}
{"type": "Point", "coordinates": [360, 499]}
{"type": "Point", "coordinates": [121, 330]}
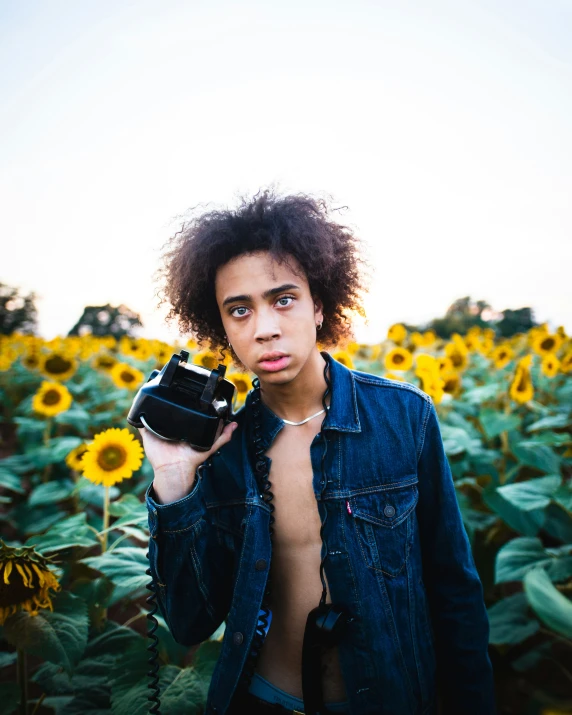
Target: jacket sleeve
{"type": "Point", "coordinates": [189, 566]}
{"type": "Point", "coordinates": [454, 591]}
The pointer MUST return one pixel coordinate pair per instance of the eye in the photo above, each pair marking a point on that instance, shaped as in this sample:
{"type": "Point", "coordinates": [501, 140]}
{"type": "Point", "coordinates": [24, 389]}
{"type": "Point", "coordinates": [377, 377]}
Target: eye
{"type": "Point", "coordinates": [285, 297]}
{"type": "Point", "coordinates": [238, 307]}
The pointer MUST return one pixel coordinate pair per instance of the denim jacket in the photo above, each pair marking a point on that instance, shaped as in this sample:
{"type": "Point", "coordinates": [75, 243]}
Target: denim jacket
{"type": "Point", "coordinates": [397, 555]}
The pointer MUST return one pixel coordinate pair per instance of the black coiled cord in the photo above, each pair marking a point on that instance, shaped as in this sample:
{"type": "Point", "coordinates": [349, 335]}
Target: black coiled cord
{"type": "Point", "coordinates": [264, 486]}
{"type": "Point", "coordinates": [153, 697]}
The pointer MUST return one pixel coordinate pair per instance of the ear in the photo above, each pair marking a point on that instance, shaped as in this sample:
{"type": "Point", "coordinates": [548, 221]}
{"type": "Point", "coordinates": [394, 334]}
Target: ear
{"type": "Point", "coordinates": [318, 309]}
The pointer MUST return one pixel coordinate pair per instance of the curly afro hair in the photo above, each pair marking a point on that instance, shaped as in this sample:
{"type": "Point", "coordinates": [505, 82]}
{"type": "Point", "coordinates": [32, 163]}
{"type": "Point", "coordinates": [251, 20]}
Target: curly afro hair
{"type": "Point", "coordinates": [295, 225]}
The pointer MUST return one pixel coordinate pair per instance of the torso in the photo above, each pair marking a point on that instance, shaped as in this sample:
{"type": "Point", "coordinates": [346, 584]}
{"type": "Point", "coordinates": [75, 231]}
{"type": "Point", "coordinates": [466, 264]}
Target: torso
{"type": "Point", "coordinates": [295, 572]}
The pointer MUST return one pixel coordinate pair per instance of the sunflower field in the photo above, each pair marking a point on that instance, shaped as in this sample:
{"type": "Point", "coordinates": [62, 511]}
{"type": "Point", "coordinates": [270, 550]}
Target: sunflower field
{"type": "Point", "coordinates": [73, 553]}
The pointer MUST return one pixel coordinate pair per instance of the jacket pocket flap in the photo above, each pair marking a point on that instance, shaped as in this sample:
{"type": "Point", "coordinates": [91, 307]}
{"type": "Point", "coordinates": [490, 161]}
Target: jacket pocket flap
{"type": "Point", "coordinates": [385, 507]}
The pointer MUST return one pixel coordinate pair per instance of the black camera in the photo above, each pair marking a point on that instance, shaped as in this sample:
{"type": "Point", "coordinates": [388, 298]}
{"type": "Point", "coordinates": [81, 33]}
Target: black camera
{"type": "Point", "coordinates": [184, 403]}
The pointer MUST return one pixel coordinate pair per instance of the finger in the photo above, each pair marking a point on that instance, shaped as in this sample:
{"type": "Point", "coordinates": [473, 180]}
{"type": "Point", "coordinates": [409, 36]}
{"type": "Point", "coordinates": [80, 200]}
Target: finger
{"type": "Point", "coordinates": [224, 436]}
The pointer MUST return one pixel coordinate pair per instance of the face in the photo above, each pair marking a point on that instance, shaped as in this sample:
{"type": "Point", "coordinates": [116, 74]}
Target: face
{"type": "Point", "coordinates": [266, 307]}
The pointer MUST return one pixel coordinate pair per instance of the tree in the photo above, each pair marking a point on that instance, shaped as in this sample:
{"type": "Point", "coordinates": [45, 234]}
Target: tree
{"type": "Point", "coordinates": [17, 312]}
{"type": "Point", "coordinates": [516, 321]}
{"type": "Point", "coordinates": [107, 320]}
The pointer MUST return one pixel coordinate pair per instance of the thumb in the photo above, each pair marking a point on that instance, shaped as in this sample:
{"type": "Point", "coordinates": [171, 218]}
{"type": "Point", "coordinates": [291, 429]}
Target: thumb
{"type": "Point", "coordinates": [224, 437]}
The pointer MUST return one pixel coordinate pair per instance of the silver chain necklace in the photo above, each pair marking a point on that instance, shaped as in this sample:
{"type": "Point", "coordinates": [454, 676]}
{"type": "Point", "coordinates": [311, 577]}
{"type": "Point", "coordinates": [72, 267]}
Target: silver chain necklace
{"type": "Point", "coordinates": [295, 424]}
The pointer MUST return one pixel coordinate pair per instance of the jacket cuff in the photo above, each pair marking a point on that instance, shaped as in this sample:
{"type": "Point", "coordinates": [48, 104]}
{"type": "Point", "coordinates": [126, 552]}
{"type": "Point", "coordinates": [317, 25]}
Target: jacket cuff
{"type": "Point", "coordinates": [176, 516]}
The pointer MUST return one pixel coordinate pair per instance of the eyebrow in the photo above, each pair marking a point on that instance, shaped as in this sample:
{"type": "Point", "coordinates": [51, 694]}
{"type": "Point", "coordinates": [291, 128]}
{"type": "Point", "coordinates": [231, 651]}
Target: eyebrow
{"type": "Point", "coordinates": [267, 294]}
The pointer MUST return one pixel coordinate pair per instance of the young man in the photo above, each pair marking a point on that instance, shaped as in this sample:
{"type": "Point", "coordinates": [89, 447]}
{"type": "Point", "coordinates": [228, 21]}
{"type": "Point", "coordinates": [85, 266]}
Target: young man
{"type": "Point", "coordinates": [362, 493]}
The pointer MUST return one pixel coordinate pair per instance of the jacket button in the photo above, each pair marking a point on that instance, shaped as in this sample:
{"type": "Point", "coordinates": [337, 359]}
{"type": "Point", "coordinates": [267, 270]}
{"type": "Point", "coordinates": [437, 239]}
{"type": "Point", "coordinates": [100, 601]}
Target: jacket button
{"type": "Point", "coordinates": [260, 565]}
{"type": "Point", "coordinates": [389, 510]}
{"type": "Point", "coordinates": [237, 638]}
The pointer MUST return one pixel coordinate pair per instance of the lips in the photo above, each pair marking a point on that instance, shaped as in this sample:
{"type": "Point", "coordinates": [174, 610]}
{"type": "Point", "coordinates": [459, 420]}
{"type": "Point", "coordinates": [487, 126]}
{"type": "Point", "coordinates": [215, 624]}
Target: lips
{"type": "Point", "coordinates": [270, 357]}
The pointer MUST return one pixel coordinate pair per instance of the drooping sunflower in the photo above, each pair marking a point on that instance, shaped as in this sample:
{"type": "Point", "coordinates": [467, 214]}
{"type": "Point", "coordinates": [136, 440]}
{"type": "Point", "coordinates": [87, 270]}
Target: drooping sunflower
{"type": "Point", "coordinates": [561, 331]}
{"type": "Point", "coordinates": [25, 581]}
{"type": "Point", "coordinates": [242, 382]}
{"type": "Point", "coordinates": [123, 375]}
{"type": "Point", "coordinates": [545, 344]}
{"type": "Point", "coordinates": [398, 359]}
{"type": "Point", "coordinates": [550, 365]}
{"type": "Point", "coordinates": [502, 355]}
{"type": "Point", "coordinates": [521, 389]}
{"type": "Point", "coordinates": [73, 459]}
{"type": "Point", "coordinates": [397, 333]}
{"type": "Point", "coordinates": [112, 456]}
{"type": "Point", "coordinates": [31, 359]}
{"type": "Point", "coordinates": [51, 399]}
{"type": "Point", "coordinates": [344, 357]}
{"type": "Point", "coordinates": [58, 366]}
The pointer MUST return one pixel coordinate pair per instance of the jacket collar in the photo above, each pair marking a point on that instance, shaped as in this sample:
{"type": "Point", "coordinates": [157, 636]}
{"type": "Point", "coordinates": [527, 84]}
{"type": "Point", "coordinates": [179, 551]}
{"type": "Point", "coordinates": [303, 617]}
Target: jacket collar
{"type": "Point", "coordinates": [342, 415]}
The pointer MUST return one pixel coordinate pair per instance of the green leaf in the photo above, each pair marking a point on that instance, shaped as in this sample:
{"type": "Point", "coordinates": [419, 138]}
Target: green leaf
{"type": "Point", "coordinates": [520, 555]}
{"type": "Point", "coordinates": [62, 446]}
{"type": "Point", "coordinates": [125, 567]}
{"type": "Point", "coordinates": [73, 531]}
{"type": "Point", "coordinates": [495, 422]}
{"type": "Point", "coordinates": [527, 523]}
{"type": "Point", "coordinates": [7, 659]}
{"type": "Point", "coordinates": [552, 607]}
{"type": "Point", "coordinates": [550, 438]}
{"type": "Point", "coordinates": [456, 440]}
{"type": "Point", "coordinates": [510, 622]}
{"type": "Point", "coordinates": [558, 522]}
{"type": "Point", "coordinates": [532, 494]}
{"type": "Point", "coordinates": [51, 492]}
{"type": "Point", "coordinates": [9, 697]}
{"type": "Point", "coordinates": [59, 637]}
{"type": "Point", "coordinates": [11, 481]}
{"type": "Point", "coordinates": [563, 495]}
{"type": "Point", "coordinates": [535, 455]}
{"type": "Point", "coordinates": [560, 420]}
{"type": "Point", "coordinates": [482, 393]}
{"type": "Point", "coordinates": [206, 657]}
{"type": "Point", "coordinates": [94, 493]}
{"type": "Point", "coordinates": [75, 417]}
{"type": "Point", "coordinates": [183, 692]}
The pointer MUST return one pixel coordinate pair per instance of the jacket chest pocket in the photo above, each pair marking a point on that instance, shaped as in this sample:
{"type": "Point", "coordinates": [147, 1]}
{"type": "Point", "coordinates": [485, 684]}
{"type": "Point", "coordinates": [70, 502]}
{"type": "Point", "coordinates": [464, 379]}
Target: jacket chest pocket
{"type": "Point", "coordinates": [384, 524]}
{"type": "Point", "coordinates": [228, 523]}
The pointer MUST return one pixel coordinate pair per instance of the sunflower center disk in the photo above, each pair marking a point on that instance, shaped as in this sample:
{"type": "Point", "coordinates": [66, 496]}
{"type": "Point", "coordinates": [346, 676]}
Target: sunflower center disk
{"type": "Point", "coordinates": [52, 397]}
{"type": "Point", "coordinates": [112, 457]}
{"type": "Point", "coordinates": [57, 365]}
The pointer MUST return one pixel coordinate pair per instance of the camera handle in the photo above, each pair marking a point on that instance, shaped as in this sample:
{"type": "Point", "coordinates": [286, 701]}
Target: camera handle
{"type": "Point", "coordinates": [167, 439]}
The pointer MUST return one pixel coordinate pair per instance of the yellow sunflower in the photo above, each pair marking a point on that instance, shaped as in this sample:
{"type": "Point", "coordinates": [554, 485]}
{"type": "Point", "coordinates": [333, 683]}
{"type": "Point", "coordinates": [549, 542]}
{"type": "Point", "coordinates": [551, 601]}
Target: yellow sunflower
{"type": "Point", "coordinates": [206, 358]}
{"type": "Point", "coordinates": [521, 389]}
{"type": "Point", "coordinates": [137, 348]}
{"type": "Point", "coordinates": [398, 359]}
{"type": "Point", "coordinates": [51, 399]}
{"type": "Point", "coordinates": [344, 357]}
{"type": "Point", "coordinates": [427, 369]}
{"type": "Point", "coordinates": [502, 355]}
{"type": "Point", "coordinates": [123, 375]}
{"type": "Point", "coordinates": [397, 333]}
{"type": "Point", "coordinates": [242, 382]}
{"type": "Point", "coordinates": [31, 359]}
{"type": "Point", "coordinates": [560, 330]}
{"type": "Point", "coordinates": [445, 364]}
{"type": "Point", "coordinates": [5, 362]}
{"type": "Point", "coordinates": [104, 362]}
{"type": "Point", "coordinates": [550, 365]}
{"type": "Point", "coordinates": [457, 351]}
{"type": "Point", "coordinates": [352, 347]}
{"type": "Point", "coordinates": [58, 366]}
{"type": "Point", "coordinates": [392, 376]}
{"type": "Point", "coordinates": [112, 456]}
{"type": "Point", "coordinates": [25, 581]}
{"type": "Point", "coordinates": [453, 383]}
{"type": "Point", "coordinates": [73, 460]}
{"type": "Point", "coordinates": [566, 363]}
{"type": "Point", "coordinates": [429, 337]}
{"type": "Point", "coordinates": [416, 339]}
{"type": "Point", "coordinates": [545, 344]}
{"type": "Point", "coordinates": [192, 344]}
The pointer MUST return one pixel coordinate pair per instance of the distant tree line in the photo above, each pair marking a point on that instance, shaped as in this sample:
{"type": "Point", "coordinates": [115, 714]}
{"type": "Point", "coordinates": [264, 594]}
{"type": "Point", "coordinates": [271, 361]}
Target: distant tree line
{"type": "Point", "coordinates": [18, 314]}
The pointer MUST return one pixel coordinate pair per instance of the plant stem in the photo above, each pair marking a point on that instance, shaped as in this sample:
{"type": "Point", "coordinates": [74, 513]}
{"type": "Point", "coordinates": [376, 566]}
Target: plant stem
{"type": "Point", "coordinates": [22, 672]}
{"type": "Point", "coordinates": [47, 432]}
{"type": "Point", "coordinates": [105, 519]}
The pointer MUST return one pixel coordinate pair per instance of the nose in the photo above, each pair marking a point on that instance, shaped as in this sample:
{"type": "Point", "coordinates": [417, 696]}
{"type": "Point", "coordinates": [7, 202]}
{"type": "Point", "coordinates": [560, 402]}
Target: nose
{"type": "Point", "coordinates": [266, 327]}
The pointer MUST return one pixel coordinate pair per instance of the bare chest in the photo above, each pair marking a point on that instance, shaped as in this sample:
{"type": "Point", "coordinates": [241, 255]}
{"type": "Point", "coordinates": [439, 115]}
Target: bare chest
{"type": "Point", "coordinates": [297, 522]}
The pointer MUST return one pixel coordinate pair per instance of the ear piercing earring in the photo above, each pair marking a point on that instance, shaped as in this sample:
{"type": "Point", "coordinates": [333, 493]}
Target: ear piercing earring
{"type": "Point", "coordinates": [319, 326]}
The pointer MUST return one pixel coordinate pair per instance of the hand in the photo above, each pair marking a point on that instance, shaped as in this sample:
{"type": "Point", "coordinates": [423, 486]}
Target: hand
{"type": "Point", "coordinates": [179, 459]}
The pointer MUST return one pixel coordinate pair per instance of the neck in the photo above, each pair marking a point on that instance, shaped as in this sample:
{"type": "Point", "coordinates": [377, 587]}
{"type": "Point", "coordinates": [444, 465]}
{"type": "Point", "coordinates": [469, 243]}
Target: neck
{"type": "Point", "coordinates": [301, 397]}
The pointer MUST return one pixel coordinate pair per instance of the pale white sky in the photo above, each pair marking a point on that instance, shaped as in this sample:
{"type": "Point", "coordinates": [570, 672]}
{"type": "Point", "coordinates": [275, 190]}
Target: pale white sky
{"type": "Point", "coordinates": [445, 127]}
